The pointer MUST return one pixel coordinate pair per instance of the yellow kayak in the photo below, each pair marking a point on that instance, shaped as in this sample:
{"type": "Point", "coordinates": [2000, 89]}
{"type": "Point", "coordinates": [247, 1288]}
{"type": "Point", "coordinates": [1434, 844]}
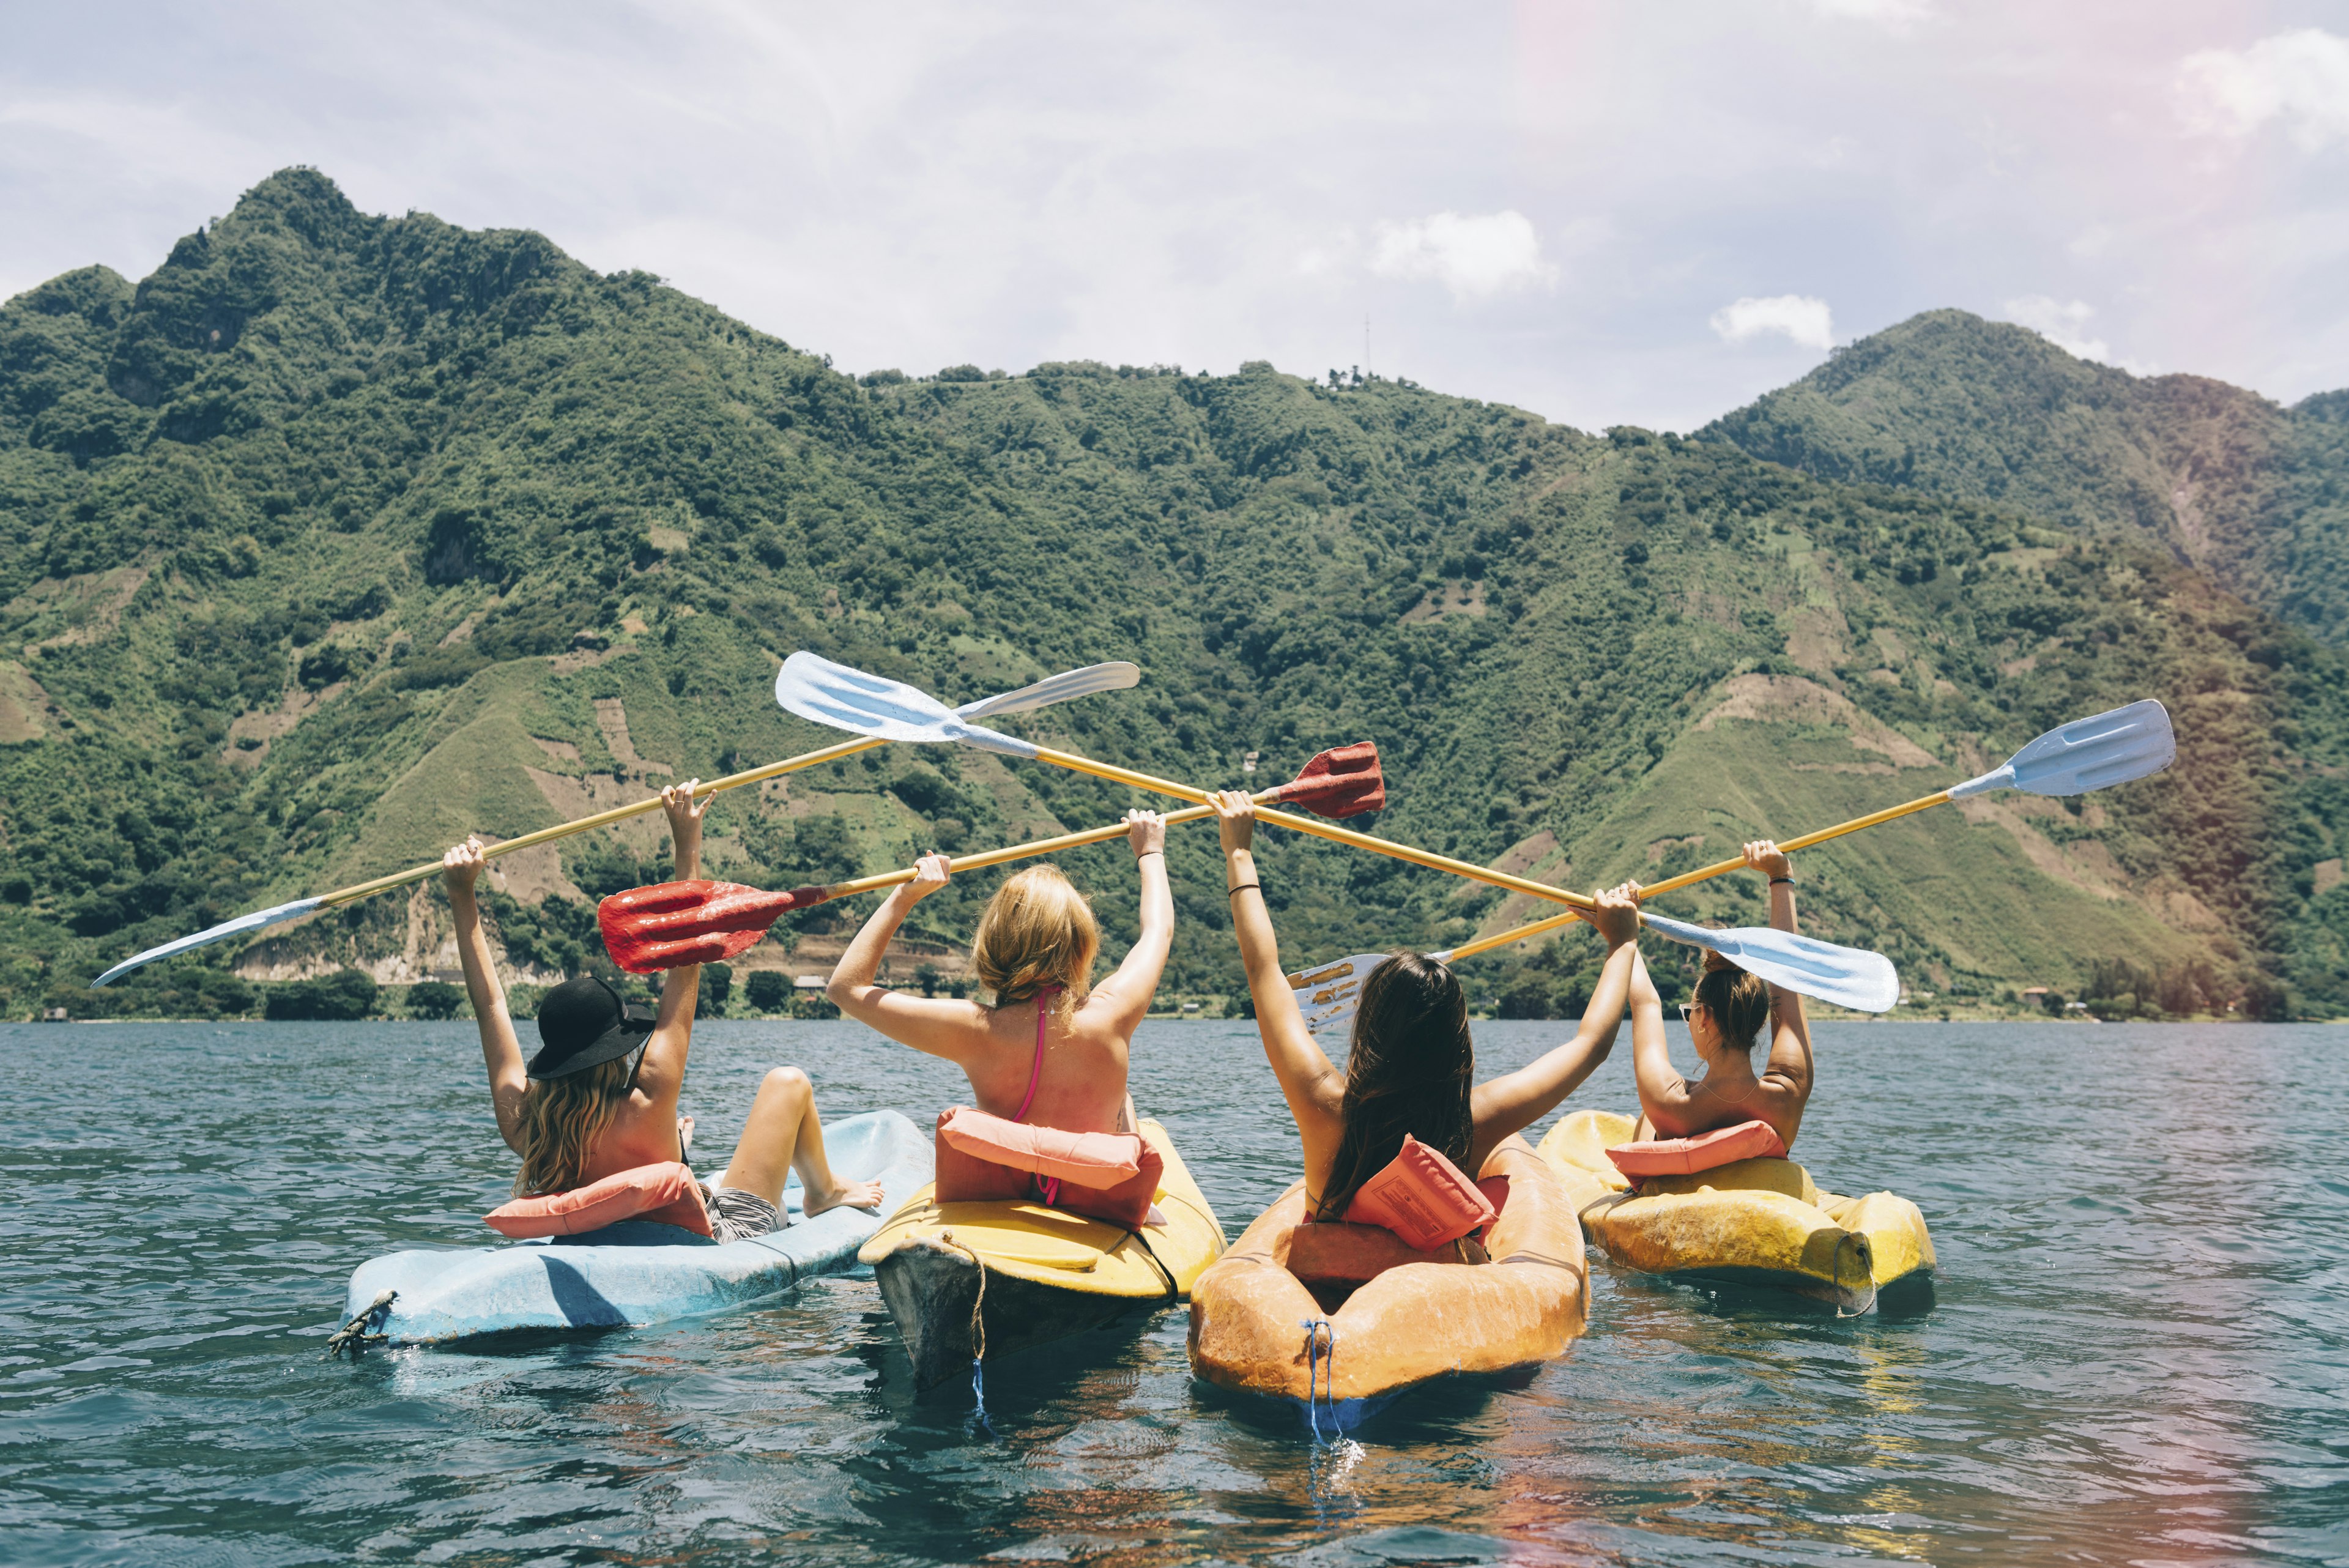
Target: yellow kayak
{"type": "Point", "coordinates": [1753, 1222]}
{"type": "Point", "coordinates": [1047, 1274]}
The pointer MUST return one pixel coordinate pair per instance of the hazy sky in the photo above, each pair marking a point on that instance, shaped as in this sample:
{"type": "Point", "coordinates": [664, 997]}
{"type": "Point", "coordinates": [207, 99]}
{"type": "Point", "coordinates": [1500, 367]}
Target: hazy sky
{"type": "Point", "coordinates": [1609, 213]}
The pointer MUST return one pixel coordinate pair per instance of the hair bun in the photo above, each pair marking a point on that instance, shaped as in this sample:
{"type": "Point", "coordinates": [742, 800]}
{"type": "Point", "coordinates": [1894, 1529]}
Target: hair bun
{"type": "Point", "coordinates": [1714, 961]}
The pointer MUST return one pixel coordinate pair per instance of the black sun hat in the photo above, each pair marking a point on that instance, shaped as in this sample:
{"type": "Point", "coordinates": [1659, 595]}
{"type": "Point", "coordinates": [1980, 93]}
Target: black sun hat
{"type": "Point", "coordinates": [582, 1023]}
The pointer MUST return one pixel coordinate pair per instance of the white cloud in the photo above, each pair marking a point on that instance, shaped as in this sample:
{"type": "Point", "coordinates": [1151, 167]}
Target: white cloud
{"type": "Point", "coordinates": [1799, 317]}
{"type": "Point", "coordinates": [1474, 257]}
{"type": "Point", "coordinates": [2065, 323]}
{"type": "Point", "coordinates": [2300, 78]}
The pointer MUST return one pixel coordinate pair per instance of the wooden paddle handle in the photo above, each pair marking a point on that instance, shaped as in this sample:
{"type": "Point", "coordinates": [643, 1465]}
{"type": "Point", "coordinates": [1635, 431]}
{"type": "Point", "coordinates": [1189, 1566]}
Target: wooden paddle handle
{"type": "Point", "coordinates": [1720, 867]}
{"type": "Point", "coordinates": [1427, 858]}
{"type": "Point", "coordinates": [1023, 851]}
{"type": "Point", "coordinates": [358, 890]}
{"type": "Point", "coordinates": [1690, 879]}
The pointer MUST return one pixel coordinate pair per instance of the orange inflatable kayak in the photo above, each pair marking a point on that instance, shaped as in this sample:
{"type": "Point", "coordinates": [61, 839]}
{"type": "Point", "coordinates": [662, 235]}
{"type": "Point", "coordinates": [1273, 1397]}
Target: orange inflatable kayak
{"type": "Point", "coordinates": [1347, 1314]}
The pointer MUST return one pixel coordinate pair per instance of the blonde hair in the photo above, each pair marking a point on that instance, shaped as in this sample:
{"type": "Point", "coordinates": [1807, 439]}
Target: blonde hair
{"type": "Point", "coordinates": [1037, 930]}
{"type": "Point", "coordinates": [1738, 1002]}
{"type": "Point", "coordinates": [560, 1117]}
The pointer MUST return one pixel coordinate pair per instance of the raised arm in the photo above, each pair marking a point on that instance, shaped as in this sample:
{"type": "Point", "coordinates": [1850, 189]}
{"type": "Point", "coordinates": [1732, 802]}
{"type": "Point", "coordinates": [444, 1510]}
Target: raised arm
{"type": "Point", "coordinates": [1312, 1086]}
{"type": "Point", "coordinates": [1790, 1031]}
{"type": "Point", "coordinates": [501, 1052]}
{"type": "Point", "coordinates": [938, 1025]}
{"type": "Point", "coordinates": [1514, 1101]}
{"type": "Point", "coordinates": [1666, 1099]}
{"type": "Point", "coordinates": [661, 1074]}
{"type": "Point", "coordinates": [1128, 993]}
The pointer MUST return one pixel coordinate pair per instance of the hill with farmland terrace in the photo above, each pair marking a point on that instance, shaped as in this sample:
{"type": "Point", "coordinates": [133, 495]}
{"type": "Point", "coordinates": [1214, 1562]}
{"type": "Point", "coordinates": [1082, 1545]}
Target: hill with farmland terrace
{"type": "Point", "coordinates": [340, 536]}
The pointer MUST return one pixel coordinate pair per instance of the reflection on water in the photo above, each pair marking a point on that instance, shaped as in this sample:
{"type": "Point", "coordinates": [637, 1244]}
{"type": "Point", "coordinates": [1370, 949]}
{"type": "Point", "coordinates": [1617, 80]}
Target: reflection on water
{"type": "Point", "coordinates": [2137, 1353]}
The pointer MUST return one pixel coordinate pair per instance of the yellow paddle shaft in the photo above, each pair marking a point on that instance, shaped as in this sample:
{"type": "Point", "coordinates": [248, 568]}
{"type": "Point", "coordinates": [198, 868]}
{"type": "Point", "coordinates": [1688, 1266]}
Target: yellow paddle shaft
{"type": "Point", "coordinates": [603, 818]}
{"type": "Point", "coordinates": [1427, 858]}
{"type": "Point", "coordinates": [1690, 879]}
{"type": "Point", "coordinates": [1024, 851]}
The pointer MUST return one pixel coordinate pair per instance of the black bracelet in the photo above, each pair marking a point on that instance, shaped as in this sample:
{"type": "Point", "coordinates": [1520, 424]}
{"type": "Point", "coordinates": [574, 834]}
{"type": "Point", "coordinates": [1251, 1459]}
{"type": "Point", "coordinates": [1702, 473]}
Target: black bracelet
{"type": "Point", "coordinates": [1147, 853]}
{"type": "Point", "coordinates": [1243, 888]}
{"type": "Point", "coordinates": [1789, 881]}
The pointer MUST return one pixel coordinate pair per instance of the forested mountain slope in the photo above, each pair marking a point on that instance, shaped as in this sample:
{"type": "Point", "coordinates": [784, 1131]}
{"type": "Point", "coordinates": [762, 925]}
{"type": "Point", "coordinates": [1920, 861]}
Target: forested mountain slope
{"type": "Point", "coordinates": [1954, 406]}
{"type": "Point", "coordinates": [340, 536]}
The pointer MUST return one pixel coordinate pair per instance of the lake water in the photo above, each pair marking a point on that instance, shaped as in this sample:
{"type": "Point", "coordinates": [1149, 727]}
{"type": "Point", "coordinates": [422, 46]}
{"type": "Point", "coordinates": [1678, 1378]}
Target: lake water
{"type": "Point", "coordinates": [2140, 1353]}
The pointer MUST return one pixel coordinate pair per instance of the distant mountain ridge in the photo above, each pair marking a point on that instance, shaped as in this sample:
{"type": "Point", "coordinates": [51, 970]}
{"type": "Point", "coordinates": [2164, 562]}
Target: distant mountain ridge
{"type": "Point", "coordinates": [339, 535]}
{"type": "Point", "coordinates": [1954, 406]}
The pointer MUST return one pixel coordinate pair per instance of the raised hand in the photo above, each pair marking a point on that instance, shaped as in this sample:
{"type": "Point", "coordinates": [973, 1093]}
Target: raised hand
{"type": "Point", "coordinates": [1146, 832]}
{"type": "Point", "coordinates": [679, 802]}
{"type": "Point", "coordinates": [684, 812]}
{"type": "Point", "coordinates": [461, 866]}
{"type": "Point", "coordinates": [930, 874]}
{"type": "Point", "coordinates": [1617, 917]}
{"type": "Point", "coordinates": [1234, 818]}
{"type": "Point", "coordinates": [1765, 855]}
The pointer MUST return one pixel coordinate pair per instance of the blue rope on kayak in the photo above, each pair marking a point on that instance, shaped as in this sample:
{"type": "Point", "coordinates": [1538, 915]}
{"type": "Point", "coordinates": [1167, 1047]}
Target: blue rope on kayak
{"type": "Point", "coordinates": [1320, 1340]}
{"type": "Point", "coordinates": [977, 1333]}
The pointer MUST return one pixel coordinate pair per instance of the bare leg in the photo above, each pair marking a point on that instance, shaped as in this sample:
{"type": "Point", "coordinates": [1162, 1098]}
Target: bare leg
{"type": "Point", "coordinates": [782, 1134]}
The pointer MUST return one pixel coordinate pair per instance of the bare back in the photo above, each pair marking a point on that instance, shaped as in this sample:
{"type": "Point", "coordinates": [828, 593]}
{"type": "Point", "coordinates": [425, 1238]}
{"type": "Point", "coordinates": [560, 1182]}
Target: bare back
{"type": "Point", "coordinates": [642, 1132]}
{"type": "Point", "coordinates": [1080, 1082]}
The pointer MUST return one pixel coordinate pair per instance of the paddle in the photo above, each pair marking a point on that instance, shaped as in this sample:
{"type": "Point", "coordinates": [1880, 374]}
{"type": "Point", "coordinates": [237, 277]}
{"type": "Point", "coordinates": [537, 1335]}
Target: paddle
{"type": "Point", "coordinates": [830, 694]}
{"type": "Point", "coordinates": [1112, 677]}
{"type": "Point", "coordinates": [651, 928]}
{"type": "Point", "coordinates": [2091, 754]}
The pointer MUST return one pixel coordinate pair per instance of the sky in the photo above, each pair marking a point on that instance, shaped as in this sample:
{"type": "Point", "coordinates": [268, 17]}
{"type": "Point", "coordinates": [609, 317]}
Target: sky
{"type": "Point", "coordinates": [1619, 213]}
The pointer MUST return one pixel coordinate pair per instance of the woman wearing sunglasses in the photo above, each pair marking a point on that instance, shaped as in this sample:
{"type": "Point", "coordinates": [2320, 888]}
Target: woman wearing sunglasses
{"type": "Point", "coordinates": [600, 1097]}
{"type": "Point", "coordinates": [1725, 1023]}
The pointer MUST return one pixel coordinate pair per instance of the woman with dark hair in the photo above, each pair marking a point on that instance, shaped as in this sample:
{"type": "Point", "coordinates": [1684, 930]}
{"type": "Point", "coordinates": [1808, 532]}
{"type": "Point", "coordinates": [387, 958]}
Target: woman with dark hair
{"type": "Point", "coordinates": [1724, 1023]}
{"type": "Point", "coordinates": [1412, 1067]}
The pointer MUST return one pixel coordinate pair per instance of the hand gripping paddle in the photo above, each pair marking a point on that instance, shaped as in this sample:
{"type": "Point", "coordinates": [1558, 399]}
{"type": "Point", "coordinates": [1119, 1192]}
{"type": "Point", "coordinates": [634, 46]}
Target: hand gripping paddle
{"type": "Point", "coordinates": [658, 927]}
{"type": "Point", "coordinates": [1084, 682]}
{"type": "Point", "coordinates": [2092, 753]}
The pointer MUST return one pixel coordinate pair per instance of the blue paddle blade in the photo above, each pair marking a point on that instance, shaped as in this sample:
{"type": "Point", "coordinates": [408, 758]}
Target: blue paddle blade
{"type": "Point", "coordinates": [206, 938]}
{"type": "Point", "coordinates": [823, 693]}
{"type": "Point", "coordinates": [2096, 752]}
{"type": "Point", "coordinates": [1115, 676]}
{"type": "Point", "coordinates": [1848, 977]}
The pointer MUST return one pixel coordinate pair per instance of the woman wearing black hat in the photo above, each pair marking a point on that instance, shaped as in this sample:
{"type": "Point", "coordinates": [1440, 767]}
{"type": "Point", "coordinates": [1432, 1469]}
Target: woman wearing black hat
{"type": "Point", "coordinates": [600, 1098]}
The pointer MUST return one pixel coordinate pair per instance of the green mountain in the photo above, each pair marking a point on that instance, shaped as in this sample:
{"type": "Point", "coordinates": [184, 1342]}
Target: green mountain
{"type": "Point", "coordinates": [339, 535]}
{"type": "Point", "coordinates": [1950, 405]}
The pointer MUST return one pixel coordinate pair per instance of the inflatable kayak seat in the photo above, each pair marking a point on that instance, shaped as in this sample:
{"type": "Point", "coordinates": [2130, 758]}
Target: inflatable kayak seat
{"type": "Point", "coordinates": [1706, 1151]}
{"type": "Point", "coordinates": [665, 1192]}
{"type": "Point", "coordinates": [988, 1158]}
{"type": "Point", "coordinates": [1422, 1197]}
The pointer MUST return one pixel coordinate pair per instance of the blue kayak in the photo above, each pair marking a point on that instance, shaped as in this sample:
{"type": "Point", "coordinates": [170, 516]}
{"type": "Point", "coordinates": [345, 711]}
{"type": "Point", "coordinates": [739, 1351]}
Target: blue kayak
{"type": "Point", "coordinates": [640, 1271]}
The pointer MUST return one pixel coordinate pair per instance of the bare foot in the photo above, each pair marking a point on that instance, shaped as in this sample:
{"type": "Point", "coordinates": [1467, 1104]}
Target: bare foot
{"type": "Point", "coordinates": [848, 1195]}
{"type": "Point", "coordinates": [685, 1135]}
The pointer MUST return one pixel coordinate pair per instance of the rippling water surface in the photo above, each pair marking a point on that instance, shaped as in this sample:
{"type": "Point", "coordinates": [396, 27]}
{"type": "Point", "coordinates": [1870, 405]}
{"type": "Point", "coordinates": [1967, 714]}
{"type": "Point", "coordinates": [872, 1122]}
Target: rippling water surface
{"type": "Point", "coordinates": [2137, 1353]}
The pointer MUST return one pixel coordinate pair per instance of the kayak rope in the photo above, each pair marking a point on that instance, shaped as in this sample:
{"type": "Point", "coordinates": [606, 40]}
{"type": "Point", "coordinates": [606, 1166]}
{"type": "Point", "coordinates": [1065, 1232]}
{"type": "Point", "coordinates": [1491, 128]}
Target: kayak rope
{"type": "Point", "coordinates": [1321, 1342]}
{"type": "Point", "coordinates": [364, 1330]}
{"type": "Point", "coordinates": [978, 1330]}
{"type": "Point", "coordinates": [1867, 1275]}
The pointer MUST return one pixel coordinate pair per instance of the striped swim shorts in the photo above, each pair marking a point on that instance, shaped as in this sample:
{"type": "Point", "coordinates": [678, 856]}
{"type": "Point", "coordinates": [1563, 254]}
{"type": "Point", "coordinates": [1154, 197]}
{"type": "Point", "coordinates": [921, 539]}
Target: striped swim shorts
{"type": "Point", "coordinates": [736, 1216]}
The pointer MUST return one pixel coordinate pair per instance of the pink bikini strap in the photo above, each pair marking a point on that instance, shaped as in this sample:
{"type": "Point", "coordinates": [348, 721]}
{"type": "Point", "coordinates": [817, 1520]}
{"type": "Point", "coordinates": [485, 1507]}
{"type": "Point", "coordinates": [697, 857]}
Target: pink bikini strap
{"type": "Point", "coordinates": [1036, 1072]}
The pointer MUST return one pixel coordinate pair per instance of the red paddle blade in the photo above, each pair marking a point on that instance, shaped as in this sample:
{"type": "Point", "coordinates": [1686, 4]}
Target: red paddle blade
{"type": "Point", "coordinates": [1342, 782]}
{"type": "Point", "coordinates": [646, 929]}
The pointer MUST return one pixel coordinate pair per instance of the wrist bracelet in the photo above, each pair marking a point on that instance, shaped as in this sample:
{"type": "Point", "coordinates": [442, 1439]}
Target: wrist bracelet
{"type": "Point", "coordinates": [1147, 853]}
{"type": "Point", "coordinates": [1243, 888]}
{"type": "Point", "coordinates": [1789, 881]}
